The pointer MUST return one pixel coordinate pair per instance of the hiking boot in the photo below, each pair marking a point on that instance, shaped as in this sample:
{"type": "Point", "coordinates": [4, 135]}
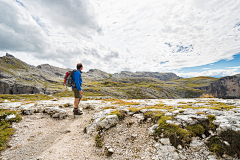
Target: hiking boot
{"type": "Point", "coordinates": [77, 111]}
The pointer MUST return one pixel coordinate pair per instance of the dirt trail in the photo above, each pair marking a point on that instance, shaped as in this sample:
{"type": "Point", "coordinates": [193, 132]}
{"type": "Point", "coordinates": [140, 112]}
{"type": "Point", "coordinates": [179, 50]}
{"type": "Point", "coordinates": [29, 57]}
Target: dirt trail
{"type": "Point", "coordinates": [40, 137]}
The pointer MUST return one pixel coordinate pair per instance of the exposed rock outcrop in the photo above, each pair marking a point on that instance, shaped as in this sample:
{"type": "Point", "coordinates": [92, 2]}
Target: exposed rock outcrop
{"type": "Point", "coordinates": [6, 88]}
{"type": "Point", "coordinates": [54, 71]}
{"type": "Point", "coordinates": [226, 87]}
{"type": "Point", "coordinates": [160, 76]}
{"type": "Point", "coordinates": [96, 74]}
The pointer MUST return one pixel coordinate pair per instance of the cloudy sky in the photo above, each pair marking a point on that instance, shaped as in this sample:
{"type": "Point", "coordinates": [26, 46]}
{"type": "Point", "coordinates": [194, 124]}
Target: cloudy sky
{"type": "Point", "coordinates": [188, 37]}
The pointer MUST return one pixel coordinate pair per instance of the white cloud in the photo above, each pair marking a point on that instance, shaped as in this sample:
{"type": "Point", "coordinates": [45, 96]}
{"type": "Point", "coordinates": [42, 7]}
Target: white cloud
{"type": "Point", "coordinates": [211, 73]}
{"type": "Point", "coordinates": [115, 35]}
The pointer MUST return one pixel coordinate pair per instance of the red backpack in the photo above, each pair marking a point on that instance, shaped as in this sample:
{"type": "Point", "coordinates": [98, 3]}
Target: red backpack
{"type": "Point", "coordinates": [68, 80]}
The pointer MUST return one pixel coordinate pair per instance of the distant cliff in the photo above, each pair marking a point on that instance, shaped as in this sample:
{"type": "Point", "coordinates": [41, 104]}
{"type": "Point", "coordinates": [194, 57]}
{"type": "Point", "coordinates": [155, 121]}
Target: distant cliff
{"type": "Point", "coordinates": [226, 87]}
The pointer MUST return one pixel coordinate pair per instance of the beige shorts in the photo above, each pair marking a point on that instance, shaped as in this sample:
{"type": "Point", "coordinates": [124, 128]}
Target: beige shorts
{"type": "Point", "coordinates": [76, 92]}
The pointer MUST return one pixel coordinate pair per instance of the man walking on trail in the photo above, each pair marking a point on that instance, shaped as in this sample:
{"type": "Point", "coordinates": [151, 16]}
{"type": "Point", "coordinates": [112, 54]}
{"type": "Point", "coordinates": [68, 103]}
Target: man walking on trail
{"type": "Point", "coordinates": [77, 89]}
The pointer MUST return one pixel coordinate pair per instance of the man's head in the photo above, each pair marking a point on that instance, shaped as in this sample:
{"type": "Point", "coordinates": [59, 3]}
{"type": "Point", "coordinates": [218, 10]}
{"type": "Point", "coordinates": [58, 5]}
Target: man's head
{"type": "Point", "coordinates": [79, 65]}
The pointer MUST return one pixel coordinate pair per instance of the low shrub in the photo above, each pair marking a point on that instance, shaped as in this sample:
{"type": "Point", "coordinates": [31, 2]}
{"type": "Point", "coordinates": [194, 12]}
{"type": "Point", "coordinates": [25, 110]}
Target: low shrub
{"type": "Point", "coordinates": [155, 116]}
{"type": "Point", "coordinates": [120, 113]}
{"type": "Point", "coordinates": [134, 110]}
{"type": "Point", "coordinates": [98, 141]}
{"type": "Point", "coordinates": [196, 130]}
{"type": "Point", "coordinates": [176, 134]}
{"type": "Point", "coordinates": [217, 144]}
{"type": "Point", "coordinates": [5, 127]}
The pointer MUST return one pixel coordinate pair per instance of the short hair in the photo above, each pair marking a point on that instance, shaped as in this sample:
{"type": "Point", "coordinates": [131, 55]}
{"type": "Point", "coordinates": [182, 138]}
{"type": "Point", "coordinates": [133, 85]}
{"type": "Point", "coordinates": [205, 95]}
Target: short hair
{"type": "Point", "coordinates": [79, 65]}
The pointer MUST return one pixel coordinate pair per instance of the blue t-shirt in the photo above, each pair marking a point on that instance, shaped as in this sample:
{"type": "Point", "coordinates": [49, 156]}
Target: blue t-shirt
{"type": "Point", "coordinates": [77, 78]}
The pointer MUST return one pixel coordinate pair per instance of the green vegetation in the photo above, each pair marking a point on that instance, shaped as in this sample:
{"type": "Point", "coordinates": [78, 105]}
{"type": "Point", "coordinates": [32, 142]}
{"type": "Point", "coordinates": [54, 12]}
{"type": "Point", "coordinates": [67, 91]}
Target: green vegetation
{"type": "Point", "coordinates": [134, 110]}
{"type": "Point", "coordinates": [215, 106]}
{"type": "Point", "coordinates": [120, 113]}
{"type": "Point", "coordinates": [196, 130]}
{"type": "Point", "coordinates": [65, 93]}
{"type": "Point", "coordinates": [197, 81]}
{"type": "Point", "coordinates": [98, 141]}
{"type": "Point", "coordinates": [219, 146]}
{"type": "Point", "coordinates": [111, 107]}
{"type": "Point", "coordinates": [176, 134]}
{"type": "Point", "coordinates": [25, 97]}
{"type": "Point", "coordinates": [5, 127]}
{"type": "Point", "coordinates": [122, 103]}
{"type": "Point", "coordinates": [155, 116]}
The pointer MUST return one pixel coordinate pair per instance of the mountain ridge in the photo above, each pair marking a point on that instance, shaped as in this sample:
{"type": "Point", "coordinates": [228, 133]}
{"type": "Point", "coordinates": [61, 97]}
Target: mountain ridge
{"type": "Point", "coordinates": [18, 77]}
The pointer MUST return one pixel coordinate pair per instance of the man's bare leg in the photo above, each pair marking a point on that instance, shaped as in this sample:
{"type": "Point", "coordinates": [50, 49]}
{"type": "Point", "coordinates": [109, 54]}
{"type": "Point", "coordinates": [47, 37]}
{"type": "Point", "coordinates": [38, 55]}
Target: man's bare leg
{"type": "Point", "coordinates": [76, 103]}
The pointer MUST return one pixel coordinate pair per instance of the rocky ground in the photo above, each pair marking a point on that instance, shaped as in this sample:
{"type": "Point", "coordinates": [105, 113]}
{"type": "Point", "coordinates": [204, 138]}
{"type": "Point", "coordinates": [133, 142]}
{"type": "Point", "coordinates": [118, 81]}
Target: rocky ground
{"type": "Point", "coordinates": [49, 130]}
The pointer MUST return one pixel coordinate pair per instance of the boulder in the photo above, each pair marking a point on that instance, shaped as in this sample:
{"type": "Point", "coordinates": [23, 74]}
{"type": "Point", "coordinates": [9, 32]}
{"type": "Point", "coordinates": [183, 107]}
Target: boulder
{"type": "Point", "coordinates": [9, 117]}
{"type": "Point", "coordinates": [152, 129]}
{"type": "Point", "coordinates": [109, 121]}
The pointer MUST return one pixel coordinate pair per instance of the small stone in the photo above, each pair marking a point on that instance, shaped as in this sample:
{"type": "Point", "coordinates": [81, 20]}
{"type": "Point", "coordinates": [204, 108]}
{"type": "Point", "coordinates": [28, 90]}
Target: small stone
{"type": "Point", "coordinates": [165, 141]}
{"type": "Point", "coordinates": [158, 145]}
{"type": "Point", "coordinates": [66, 131]}
{"type": "Point", "coordinates": [11, 116]}
{"type": "Point", "coordinates": [175, 155]}
{"type": "Point", "coordinates": [225, 142]}
{"type": "Point", "coordinates": [211, 132]}
{"type": "Point", "coordinates": [203, 136]}
{"type": "Point", "coordinates": [206, 153]}
{"type": "Point", "coordinates": [179, 147]}
{"type": "Point", "coordinates": [134, 135]}
{"type": "Point", "coordinates": [224, 156]}
{"type": "Point", "coordinates": [109, 149]}
{"type": "Point", "coordinates": [149, 119]}
{"type": "Point", "coordinates": [6, 101]}
{"type": "Point", "coordinates": [211, 157]}
{"type": "Point", "coordinates": [152, 129]}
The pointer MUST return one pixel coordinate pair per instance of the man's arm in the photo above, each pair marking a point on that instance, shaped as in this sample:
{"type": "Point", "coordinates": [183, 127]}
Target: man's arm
{"type": "Point", "coordinates": [77, 81]}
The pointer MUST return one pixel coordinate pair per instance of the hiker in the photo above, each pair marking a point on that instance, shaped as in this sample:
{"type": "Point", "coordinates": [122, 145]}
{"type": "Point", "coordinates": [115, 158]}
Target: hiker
{"type": "Point", "coordinates": [77, 89]}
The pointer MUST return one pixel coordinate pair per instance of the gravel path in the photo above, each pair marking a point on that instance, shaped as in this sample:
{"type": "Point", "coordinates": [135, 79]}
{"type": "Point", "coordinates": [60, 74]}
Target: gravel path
{"type": "Point", "coordinates": [40, 137]}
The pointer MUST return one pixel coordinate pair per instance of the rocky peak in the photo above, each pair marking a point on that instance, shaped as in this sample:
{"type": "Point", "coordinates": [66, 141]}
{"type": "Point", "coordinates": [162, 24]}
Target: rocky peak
{"type": "Point", "coordinates": [160, 76]}
{"type": "Point", "coordinates": [54, 71]}
{"type": "Point", "coordinates": [96, 74]}
{"type": "Point", "coordinates": [9, 55]}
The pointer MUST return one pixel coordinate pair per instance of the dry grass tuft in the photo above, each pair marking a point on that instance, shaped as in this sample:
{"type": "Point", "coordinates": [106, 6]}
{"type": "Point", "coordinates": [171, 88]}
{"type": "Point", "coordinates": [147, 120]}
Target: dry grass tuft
{"type": "Point", "coordinates": [207, 96]}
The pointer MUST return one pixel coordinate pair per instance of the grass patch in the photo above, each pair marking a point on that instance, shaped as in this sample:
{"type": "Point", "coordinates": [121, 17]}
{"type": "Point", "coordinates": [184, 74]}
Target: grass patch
{"type": "Point", "coordinates": [155, 116]}
{"type": "Point", "coordinates": [206, 96]}
{"type": "Point", "coordinates": [24, 97]}
{"type": "Point", "coordinates": [122, 103]}
{"type": "Point", "coordinates": [5, 127]}
{"type": "Point", "coordinates": [169, 108]}
{"type": "Point", "coordinates": [111, 107]}
{"type": "Point", "coordinates": [120, 113]}
{"type": "Point", "coordinates": [176, 134]}
{"type": "Point", "coordinates": [98, 141]}
{"type": "Point", "coordinates": [215, 106]}
{"type": "Point", "coordinates": [198, 113]}
{"type": "Point", "coordinates": [182, 102]}
{"type": "Point", "coordinates": [196, 130]}
{"type": "Point", "coordinates": [134, 110]}
{"type": "Point", "coordinates": [217, 145]}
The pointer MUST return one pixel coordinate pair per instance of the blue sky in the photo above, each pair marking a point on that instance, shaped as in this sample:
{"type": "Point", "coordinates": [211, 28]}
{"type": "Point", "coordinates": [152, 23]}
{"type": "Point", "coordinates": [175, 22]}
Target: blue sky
{"type": "Point", "coordinates": [187, 37]}
{"type": "Point", "coordinates": [221, 68]}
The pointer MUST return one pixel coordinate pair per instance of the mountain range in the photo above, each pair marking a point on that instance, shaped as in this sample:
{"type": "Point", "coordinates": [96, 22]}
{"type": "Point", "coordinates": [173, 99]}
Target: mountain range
{"type": "Point", "coordinates": [18, 77]}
